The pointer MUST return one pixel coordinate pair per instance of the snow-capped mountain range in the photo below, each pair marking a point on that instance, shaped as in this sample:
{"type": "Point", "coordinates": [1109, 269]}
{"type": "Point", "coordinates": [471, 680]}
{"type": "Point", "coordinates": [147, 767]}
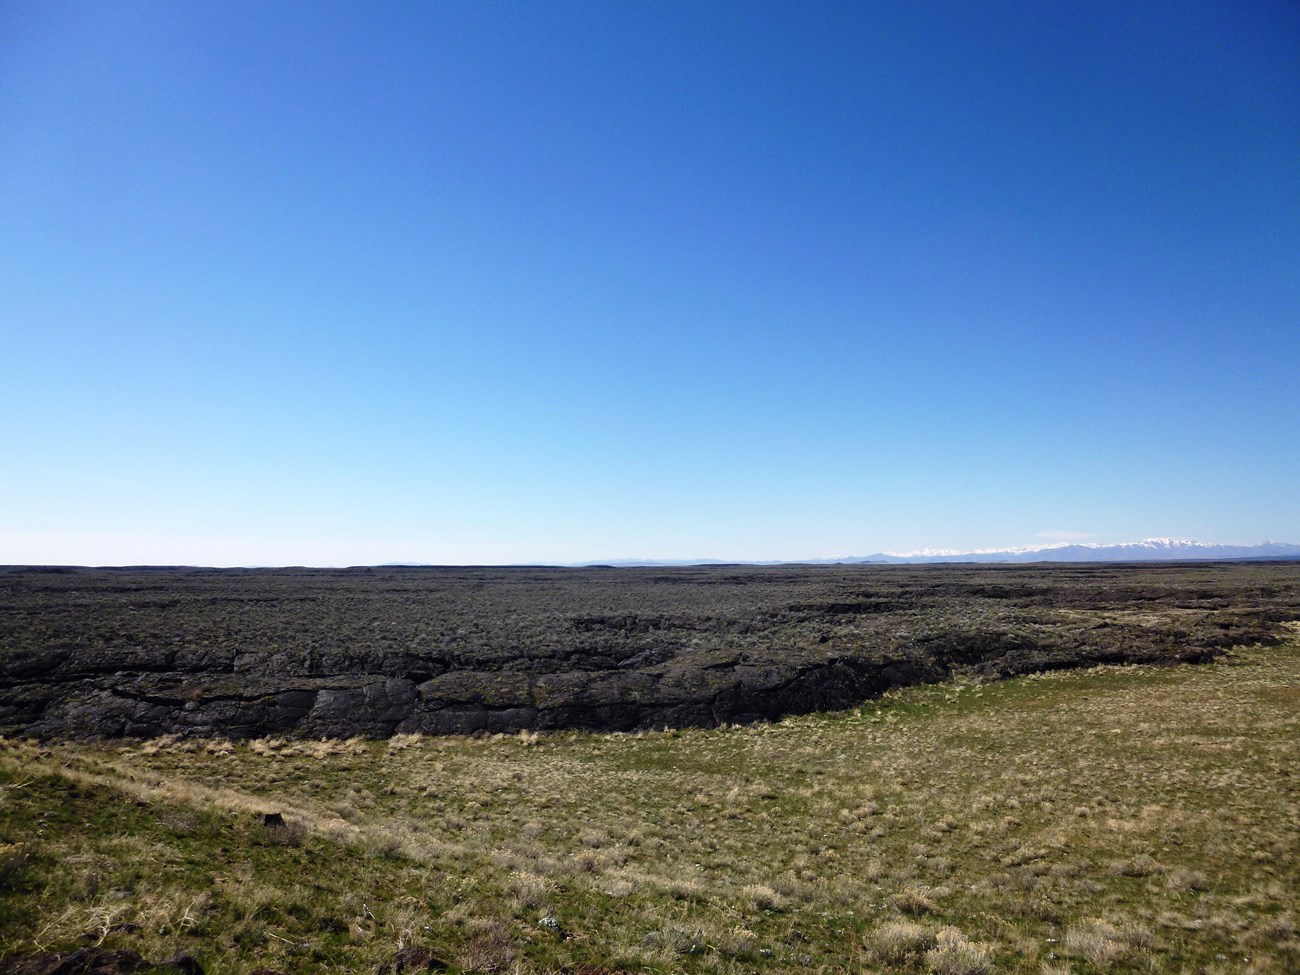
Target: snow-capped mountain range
{"type": "Point", "coordinates": [1147, 550]}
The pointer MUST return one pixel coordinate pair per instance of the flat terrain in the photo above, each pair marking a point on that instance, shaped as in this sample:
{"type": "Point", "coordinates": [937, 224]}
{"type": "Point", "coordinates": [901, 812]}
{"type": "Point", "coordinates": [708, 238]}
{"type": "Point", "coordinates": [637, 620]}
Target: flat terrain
{"type": "Point", "coordinates": [378, 652]}
{"type": "Point", "coordinates": [1119, 819]}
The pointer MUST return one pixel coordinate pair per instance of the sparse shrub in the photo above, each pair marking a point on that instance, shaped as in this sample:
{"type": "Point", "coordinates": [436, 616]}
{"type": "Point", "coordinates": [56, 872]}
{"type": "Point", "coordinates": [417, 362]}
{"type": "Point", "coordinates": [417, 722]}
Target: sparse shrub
{"type": "Point", "coordinates": [872, 871]}
{"type": "Point", "coordinates": [1181, 878]}
{"type": "Point", "coordinates": [1141, 865]}
{"type": "Point", "coordinates": [591, 861]}
{"type": "Point", "coordinates": [940, 866]}
{"type": "Point", "coordinates": [617, 887]}
{"type": "Point", "coordinates": [952, 954]}
{"type": "Point", "coordinates": [386, 843]}
{"type": "Point", "coordinates": [265, 747]}
{"type": "Point", "coordinates": [674, 940]}
{"type": "Point", "coordinates": [402, 741]}
{"type": "Point", "coordinates": [489, 948]}
{"type": "Point", "coordinates": [682, 888]}
{"type": "Point", "coordinates": [530, 890]}
{"type": "Point", "coordinates": [1277, 929]}
{"type": "Point", "coordinates": [286, 832]}
{"type": "Point", "coordinates": [865, 810]}
{"type": "Point", "coordinates": [1034, 907]}
{"type": "Point", "coordinates": [593, 838]}
{"type": "Point", "coordinates": [763, 897]}
{"type": "Point", "coordinates": [914, 900]}
{"type": "Point", "coordinates": [896, 941]}
{"type": "Point", "coordinates": [13, 857]}
{"type": "Point", "coordinates": [1095, 942]}
{"type": "Point", "coordinates": [1102, 943]}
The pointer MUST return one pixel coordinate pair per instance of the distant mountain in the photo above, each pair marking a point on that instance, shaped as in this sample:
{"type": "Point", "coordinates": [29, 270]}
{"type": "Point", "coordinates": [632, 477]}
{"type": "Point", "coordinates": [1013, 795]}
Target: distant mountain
{"type": "Point", "coordinates": [1148, 550]}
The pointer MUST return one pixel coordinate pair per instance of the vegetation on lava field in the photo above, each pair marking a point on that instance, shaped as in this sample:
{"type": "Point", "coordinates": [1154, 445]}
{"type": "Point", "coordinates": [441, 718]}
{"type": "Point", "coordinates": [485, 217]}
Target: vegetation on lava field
{"type": "Point", "coordinates": [383, 651]}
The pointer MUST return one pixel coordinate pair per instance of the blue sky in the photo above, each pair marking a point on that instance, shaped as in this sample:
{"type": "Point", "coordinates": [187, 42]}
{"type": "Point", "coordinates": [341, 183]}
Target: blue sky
{"type": "Point", "coordinates": [332, 283]}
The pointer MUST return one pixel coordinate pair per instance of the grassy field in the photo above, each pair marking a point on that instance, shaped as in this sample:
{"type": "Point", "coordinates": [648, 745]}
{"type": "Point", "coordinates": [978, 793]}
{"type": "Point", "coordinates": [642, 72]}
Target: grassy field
{"type": "Point", "coordinates": [1109, 820]}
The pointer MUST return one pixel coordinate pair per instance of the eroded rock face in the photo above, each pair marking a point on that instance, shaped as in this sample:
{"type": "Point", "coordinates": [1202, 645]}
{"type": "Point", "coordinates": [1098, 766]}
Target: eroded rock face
{"type": "Point", "coordinates": [109, 653]}
{"type": "Point", "coordinates": [144, 706]}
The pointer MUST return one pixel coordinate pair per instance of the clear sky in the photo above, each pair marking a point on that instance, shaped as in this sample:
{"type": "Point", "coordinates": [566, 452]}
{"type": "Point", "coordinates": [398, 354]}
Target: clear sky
{"type": "Point", "coordinates": [332, 283]}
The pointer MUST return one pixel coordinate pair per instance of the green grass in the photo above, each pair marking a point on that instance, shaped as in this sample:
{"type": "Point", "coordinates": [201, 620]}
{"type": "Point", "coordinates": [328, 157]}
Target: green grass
{"type": "Point", "coordinates": [1112, 820]}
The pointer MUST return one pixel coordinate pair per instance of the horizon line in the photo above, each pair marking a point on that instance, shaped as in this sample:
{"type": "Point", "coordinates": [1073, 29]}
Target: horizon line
{"type": "Point", "coordinates": [951, 556]}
